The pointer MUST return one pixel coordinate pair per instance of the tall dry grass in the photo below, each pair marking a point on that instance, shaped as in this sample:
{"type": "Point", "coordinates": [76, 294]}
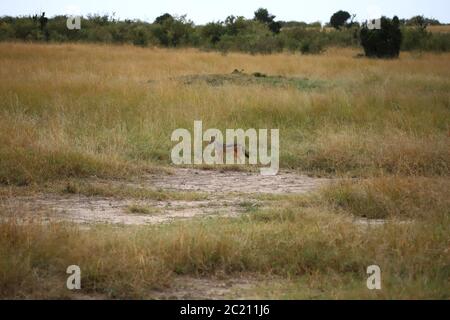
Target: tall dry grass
{"type": "Point", "coordinates": [298, 239]}
{"type": "Point", "coordinates": [88, 110]}
{"type": "Point", "coordinates": [78, 110]}
{"type": "Point", "coordinates": [439, 29]}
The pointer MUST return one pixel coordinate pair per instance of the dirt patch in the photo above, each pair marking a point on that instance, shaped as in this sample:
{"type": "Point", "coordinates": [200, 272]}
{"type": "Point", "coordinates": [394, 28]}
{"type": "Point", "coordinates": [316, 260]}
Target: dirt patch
{"type": "Point", "coordinates": [227, 196]}
{"type": "Point", "coordinates": [82, 209]}
{"type": "Point", "coordinates": [231, 181]}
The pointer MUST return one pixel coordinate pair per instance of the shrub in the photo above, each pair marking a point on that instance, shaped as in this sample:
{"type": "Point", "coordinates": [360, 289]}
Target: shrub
{"type": "Point", "coordinates": [6, 31]}
{"type": "Point", "coordinates": [307, 41]}
{"type": "Point", "coordinates": [251, 43]}
{"type": "Point", "coordinates": [311, 46]}
{"type": "Point", "coordinates": [415, 38]}
{"type": "Point", "coordinates": [384, 42]}
{"type": "Point", "coordinates": [212, 32]}
{"type": "Point", "coordinates": [141, 37]}
{"type": "Point", "coordinates": [172, 32]}
{"type": "Point", "coordinates": [348, 37]}
{"type": "Point", "coordinates": [438, 42]}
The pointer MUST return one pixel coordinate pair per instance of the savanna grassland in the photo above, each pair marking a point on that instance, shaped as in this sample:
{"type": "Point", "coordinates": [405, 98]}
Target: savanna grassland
{"type": "Point", "coordinates": [379, 128]}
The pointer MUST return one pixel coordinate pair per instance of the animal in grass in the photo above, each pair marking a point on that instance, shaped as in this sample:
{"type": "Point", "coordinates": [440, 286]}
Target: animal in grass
{"type": "Point", "coordinates": [221, 148]}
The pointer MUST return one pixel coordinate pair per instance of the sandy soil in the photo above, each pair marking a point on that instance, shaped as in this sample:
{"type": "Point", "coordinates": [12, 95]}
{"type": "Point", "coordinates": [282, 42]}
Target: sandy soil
{"type": "Point", "coordinates": [226, 193]}
{"type": "Point", "coordinates": [233, 181]}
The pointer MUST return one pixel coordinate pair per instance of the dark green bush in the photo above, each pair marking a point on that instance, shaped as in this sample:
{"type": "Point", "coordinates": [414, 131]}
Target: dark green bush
{"type": "Point", "coordinates": [384, 42]}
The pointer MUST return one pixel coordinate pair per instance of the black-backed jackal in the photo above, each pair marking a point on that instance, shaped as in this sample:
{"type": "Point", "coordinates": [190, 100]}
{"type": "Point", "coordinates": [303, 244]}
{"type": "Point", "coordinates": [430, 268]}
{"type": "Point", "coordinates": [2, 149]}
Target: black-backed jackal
{"type": "Point", "coordinates": [221, 148]}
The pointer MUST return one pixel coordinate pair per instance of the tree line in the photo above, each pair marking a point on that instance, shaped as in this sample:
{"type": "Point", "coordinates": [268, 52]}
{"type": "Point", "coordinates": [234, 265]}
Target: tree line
{"type": "Point", "coordinates": [260, 34]}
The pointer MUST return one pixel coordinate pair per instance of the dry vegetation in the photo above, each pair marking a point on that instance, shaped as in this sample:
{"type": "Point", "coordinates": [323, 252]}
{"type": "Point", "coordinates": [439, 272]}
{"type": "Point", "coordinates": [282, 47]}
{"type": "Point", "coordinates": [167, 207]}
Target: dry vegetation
{"type": "Point", "coordinates": [68, 112]}
{"type": "Point", "coordinates": [88, 110]}
{"type": "Point", "coordinates": [439, 29]}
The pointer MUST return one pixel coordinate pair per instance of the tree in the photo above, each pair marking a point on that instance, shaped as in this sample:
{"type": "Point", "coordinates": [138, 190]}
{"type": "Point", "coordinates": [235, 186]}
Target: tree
{"type": "Point", "coordinates": [235, 25]}
{"type": "Point", "coordinates": [43, 20]}
{"type": "Point", "coordinates": [262, 15]}
{"type": "Point", "coordinates": [384, 42]}
{"type": "Point", "coordinates": [339, 19]}
{"type": "Point", "coordinates": [165, 17]}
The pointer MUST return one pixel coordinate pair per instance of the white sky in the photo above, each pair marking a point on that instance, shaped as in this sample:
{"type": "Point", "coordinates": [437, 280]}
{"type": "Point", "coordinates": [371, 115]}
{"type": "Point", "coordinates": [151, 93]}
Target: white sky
{"type": "Point", "coordinates": [202, 11]}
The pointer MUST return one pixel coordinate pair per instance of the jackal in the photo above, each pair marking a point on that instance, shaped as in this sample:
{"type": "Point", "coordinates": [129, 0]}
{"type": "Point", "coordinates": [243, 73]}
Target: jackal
{"type": "Point", "coordinates": [221, 148]}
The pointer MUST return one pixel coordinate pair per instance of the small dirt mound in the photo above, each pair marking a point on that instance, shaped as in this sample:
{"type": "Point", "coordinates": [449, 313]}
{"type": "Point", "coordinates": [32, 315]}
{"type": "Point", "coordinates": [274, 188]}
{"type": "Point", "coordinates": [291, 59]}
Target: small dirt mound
{"type": "Point", "coordinates": [240, 78]}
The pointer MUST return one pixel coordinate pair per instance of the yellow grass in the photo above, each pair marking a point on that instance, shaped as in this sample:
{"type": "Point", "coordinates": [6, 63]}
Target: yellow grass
{"type": "Point", "coordinates": [73, 111]}
{"type": "Point", "coordinates": [316, 251]}
{"type": "Point", "coordinates": [91, 110]}
{"type": "Point", "coordinates": [439, 29]}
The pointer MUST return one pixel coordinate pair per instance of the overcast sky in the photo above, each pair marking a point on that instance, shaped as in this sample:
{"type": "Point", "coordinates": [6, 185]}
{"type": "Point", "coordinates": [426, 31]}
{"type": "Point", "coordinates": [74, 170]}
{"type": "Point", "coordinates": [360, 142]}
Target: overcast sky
{"type": "Point", "coordinates": [202, 11]}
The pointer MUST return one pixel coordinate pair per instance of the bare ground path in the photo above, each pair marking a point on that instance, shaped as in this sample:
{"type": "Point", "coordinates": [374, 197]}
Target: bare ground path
{"type": "Point", "coordinates": [235, 181]}
{"type": "Point", "coordinates": [226, 191]}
